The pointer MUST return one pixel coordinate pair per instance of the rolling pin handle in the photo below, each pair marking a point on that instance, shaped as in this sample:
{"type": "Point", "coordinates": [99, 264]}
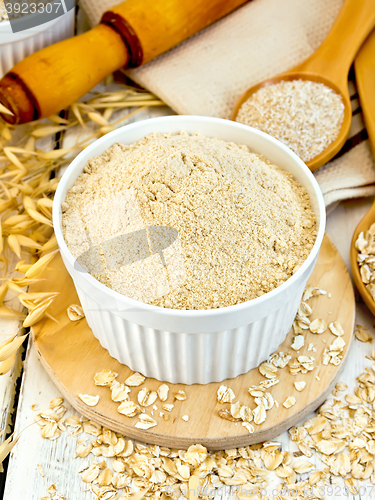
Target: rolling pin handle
{"type": "Point", "coordinates": [130, 34]}
{"type": "Point", "coordinates": [16, 97]}
{"type": "Point", "coordinates": [50, 80]}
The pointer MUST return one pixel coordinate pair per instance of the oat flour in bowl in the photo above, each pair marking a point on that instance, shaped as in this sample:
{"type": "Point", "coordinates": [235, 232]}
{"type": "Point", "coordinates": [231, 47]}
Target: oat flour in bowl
{"type": "Point", "coordinates": [244, 225]}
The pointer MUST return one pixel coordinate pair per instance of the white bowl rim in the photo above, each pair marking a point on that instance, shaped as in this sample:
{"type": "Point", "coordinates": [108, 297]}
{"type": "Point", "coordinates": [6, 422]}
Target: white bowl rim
{"type": "Point", "coordinates": [183, 313]}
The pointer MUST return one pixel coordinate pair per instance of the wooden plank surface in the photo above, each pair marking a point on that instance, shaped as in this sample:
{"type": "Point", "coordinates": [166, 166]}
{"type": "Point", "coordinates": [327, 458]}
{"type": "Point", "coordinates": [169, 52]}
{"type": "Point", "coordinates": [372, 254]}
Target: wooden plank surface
{"type": "Point", "coordinates": [24, 480]}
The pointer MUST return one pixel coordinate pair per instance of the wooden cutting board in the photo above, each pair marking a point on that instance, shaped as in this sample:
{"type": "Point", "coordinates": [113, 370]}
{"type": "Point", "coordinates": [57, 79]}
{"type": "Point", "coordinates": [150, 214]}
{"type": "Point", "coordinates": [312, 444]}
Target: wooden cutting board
{"type": "Point", "coordinates": [71, 356]}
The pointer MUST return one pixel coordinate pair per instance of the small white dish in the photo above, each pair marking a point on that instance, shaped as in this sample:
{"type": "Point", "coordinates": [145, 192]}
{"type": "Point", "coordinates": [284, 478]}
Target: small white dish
{"type": "Point", "coordinates": [181, 346]}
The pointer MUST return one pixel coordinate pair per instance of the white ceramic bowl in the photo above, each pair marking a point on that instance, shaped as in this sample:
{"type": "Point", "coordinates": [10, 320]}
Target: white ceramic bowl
{"type": "Point", "coordinates": [16, 46]}
{"type": "Point", "coordinates": [181, 346]}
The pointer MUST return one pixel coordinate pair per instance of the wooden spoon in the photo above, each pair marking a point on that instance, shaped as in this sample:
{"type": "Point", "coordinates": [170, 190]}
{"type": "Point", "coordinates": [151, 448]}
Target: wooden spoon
{"type": "Point", "coordinates": [365, 77]}
{"type": "Point", "coordinates": [330, 65]}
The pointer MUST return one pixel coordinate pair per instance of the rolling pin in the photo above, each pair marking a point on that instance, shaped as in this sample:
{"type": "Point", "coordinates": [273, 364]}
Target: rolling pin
{"type": "Point", "coordinates": [130, 34]}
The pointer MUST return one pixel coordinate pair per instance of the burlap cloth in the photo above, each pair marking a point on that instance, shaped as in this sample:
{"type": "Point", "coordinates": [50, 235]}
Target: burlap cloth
{"type": "Point", "coordinates": [206, 74]}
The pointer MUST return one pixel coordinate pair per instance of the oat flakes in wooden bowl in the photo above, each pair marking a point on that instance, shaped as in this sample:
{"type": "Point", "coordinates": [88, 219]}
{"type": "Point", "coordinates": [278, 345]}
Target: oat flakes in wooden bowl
{"type": "Point", "coordinates": [189, 248]}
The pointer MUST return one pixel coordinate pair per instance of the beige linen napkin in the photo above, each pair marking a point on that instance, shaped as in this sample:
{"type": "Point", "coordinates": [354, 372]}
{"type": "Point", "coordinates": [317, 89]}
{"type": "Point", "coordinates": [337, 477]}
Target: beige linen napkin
{"type": "Point", "coordinates": [206, 74]}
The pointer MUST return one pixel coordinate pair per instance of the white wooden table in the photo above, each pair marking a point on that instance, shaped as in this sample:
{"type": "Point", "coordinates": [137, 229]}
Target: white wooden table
{"type": "Point", "coordinates": [23, 480]}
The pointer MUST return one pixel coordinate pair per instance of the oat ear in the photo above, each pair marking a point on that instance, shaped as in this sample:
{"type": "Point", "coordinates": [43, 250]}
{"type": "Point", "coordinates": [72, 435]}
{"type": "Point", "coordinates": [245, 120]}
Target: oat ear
{"type": "Point", "coordinates": [36, 269]}
{"type": "Point", "coordinates": [8, 364]}
{"type": "Point", "coordinates": [9, 348]}
{"type": "Point", "coordinates": [27, 171]}
{"type": "Point", "coordinates": [7, 446]}
{"type": "Point", "coordinates": [5, 110]}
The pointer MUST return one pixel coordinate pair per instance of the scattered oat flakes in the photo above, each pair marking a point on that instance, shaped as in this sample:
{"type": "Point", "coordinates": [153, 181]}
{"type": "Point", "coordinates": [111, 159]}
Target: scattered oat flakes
{"type": "Point", "coordinates": [235, 410]}
{"type": "Point", "coordinates": [365, 258]}
{"type": "Point", "coordinates": [92, 428]}
{"type": "Point", "coordinates": [298, 342]}
{"type": "Point", "coordinates": [308, 293]}
{"type": "Point", "coordinates": [336, 329]}
{"type": "Point", "coordinates": [268, 370]}
{"type": "Point", "coordinates": [180, 395]}
{"type": "Point", "coordinates": [145, 422]}
{"type": "Point", "coordinates": [338, 344]}
{"type": "Point", "coordinates": [225, 394]}
{"type": "Point", "coordinates": [325, 358]}
{"type": "Point", "coordinates": [135, 380]}
{"type": "Point", "coordinates": [304, 309]}
{"type": "Point", "coordinates": [279, 359]}
{"type": "Point", "coordinates": [105, 477]}
{"type": "Point", "coordinates": [259, 414]}
{"type": "Point", "coordinates": [362, 334]}
{"type": "Point", "coordinates": [163, 392]}
{"type": "Point", "coordinates": [318, 326]}
{"type": "Point", "coordinates": [146, 397]}
{"type": "Point", "coordinates": [105, 377]}
{"type": "Point", "coordinates": [119, 392]}
{"type": "Point", "coordinates": [129, 409]}
{"type": "Point", "coordinates": [331, 433]}
{"type": "Point", "coordinates": [40, 469]}
{"type": "Point", "coordinates": [341, 434]}
{"type": "Point", "coordinates": [352, 485]}
{"type": "Point", "coordinates": [246, 414]}
{"type": "Point", "coordinates": [83, 450]}
{"type": "Point", "coordinates": [289, 402]}
{"type": "Point", "coordinates": [75, 312]}
{"type": "Point", "coordinates": [248, 426]}
{"type": "Point", "coordinates": [303, 466]}
{"type": "Point", "coordinates": [90, 473]}
{"type": "Point", "coordinates": [167, 407]}
{"type": "Point", "coordinates": [56, 403]}
{"type": "Point", "coordinates": [185, 418]}
{"type": "Point", "coordinates": [341, 386]}
{"type": "Point", "coordinates": [307, 362]}
{"type": "Point", "coordinates": [88, 399]}
{"type": "Point", "coordinates": [227, 415]}
{"type": "Point", "coordinates": [300, 385]}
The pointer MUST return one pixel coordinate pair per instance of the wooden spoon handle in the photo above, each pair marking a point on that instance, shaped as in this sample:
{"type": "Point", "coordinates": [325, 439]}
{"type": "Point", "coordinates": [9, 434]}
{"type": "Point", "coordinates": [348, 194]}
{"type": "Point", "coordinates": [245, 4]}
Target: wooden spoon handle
{"type": "Point", "coordinates": [364, 66]}
{"type": "Point", "coordinates": [336, 54]}
{"type": "Point", "coordinates": [131, 34]}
